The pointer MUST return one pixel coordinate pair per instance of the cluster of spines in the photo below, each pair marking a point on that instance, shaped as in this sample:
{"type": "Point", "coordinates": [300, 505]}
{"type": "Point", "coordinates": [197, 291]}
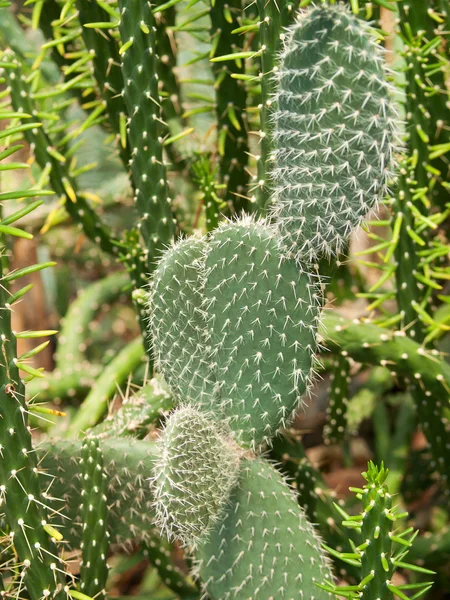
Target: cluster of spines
{"type": "Point", "coordinates": [335, 131]}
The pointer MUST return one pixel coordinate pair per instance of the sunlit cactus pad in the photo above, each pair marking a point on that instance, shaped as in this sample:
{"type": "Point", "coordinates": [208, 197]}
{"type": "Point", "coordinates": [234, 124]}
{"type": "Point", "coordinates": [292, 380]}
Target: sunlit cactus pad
{"type": "Point", "coordinates": [197, 466]}
{"type": "Point", "coordinates": [264, 548]}
{"type": "Point", "coordinates": [246, 336]}
{"type": "Point", "coordinates": [335, 131]}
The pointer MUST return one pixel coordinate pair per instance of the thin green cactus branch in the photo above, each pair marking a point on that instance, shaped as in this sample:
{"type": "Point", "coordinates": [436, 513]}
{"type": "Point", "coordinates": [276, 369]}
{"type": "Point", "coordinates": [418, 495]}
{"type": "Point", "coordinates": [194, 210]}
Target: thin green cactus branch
{"type": "Point", "coordinates": [146, 128]}
{"type": "Point", "coordinates": [274, 16]}
{"type": "Point", "coordinates": [424, 369]}
{"type": "Point", "coordinates": [232, 125]}
{"type": "Point", "coordinates": [94, 511]}
{"type": "Point", "coordinates": [48, 159]}
{"type": "Point", "coordinates": [26, 510]}
{"type": "Point", "coordinates": [383, 548]}
{"type": "Point", "coordinates": [107, 72]}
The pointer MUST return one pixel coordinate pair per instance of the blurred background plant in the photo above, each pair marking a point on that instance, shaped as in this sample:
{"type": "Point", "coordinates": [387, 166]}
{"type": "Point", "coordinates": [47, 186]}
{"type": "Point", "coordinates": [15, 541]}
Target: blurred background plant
{"type": "Point", "coordinates": [81, 76]}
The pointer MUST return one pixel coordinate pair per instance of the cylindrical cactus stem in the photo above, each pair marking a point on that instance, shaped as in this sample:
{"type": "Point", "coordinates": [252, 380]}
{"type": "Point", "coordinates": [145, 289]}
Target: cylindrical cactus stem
{"type": "Point", "coordinates": [335, 131]}
{"type": "Point", "coordinates": [76, 323]}
{"type": "Point", "coordinates": [193, 477]}
{"type": "Point", "coordinates": [107, 72]}
{"type": "Point", "coordinates": [146, 129]}
{"type": "Point", "coordinates": [94, 512]}
{"type": "Point", "coordinates": [171, 575]}
{"type": "Point", "coordinates": [145, 407]}
{"type": "Point", "coordinates": [231, 101]}
{"type": "Point", "coordinates": [25, 510]}
{"type": "Point", "coordinates": [171, 103]}
{"type": "Point", "coordinates": [115, 373]}
{"type": "Point", "coordinates": [423, 369]}
{"type": "Point", "coordinates": [335, 430]}
{"type": "Point", "coordinates": [128, 465]}
{"type": "Point", "coordinates": [274, 16]}
{"type": "Point", "coordinates": [376, 556]}
{"type": "Point", "coordinates": [61, 181]}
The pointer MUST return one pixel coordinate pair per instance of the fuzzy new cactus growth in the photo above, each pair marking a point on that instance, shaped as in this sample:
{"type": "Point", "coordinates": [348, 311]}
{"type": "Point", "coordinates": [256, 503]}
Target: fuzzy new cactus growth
{"type": "Point", "coordinates": [335, 131]}
{"type": "Point", "coordinates": [196, 469]}
{"type": "Point", "coordinates": [245, 318]}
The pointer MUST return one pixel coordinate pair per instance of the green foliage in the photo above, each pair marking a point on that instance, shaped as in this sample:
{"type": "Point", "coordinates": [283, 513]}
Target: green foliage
{"type": "Point", "coordinates": [152, 122]}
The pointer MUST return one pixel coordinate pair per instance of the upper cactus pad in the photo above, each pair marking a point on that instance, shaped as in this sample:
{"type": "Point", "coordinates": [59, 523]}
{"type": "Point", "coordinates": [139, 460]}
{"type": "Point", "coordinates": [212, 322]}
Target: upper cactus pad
{"type": "Point", "coordinates": [335, 131]}
{"type": "Point", "coordinates": [241, 343]}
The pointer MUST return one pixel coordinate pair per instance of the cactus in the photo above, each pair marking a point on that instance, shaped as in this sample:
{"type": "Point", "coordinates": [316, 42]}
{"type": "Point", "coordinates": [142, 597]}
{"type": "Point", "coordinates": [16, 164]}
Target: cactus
{"type": "Point", "coordinates": [375, 555]}
{"type": "Point", "coordinates": [218, 296]}
{"type": "Point", "coordinates": [26, 511]}
{"type": "Point", "coordinates": [94, 511]}
{"type": "Point", "coordinates": [196, 469]}
{"type": "Point", "coordinates": [299, 126]}
{"type": "Point", "coordinates": [254, 551]}
{"type": "Point", "coordinates": [145, 126]}
{"type": "Point", "coordinates": [334, 135]}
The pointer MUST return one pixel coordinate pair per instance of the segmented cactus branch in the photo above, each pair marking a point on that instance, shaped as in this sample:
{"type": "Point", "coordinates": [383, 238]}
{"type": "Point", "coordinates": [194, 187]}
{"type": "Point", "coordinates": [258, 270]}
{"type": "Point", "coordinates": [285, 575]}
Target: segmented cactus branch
{"type": "Point", "coordinates": [369, 344]}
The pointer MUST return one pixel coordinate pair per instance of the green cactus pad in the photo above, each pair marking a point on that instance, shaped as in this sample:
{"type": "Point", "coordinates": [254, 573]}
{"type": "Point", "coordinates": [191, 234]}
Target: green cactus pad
{"type": "Point", "coordinates": [262, 312]}
{"type": "Point", "coordinates": [335, 131]}
{"type": "Point", "coordinates": [176, 321]}
{"type": "Point", "coordinates": [197, 467]}
{"type": "Point", "coordinates": [264, 547]}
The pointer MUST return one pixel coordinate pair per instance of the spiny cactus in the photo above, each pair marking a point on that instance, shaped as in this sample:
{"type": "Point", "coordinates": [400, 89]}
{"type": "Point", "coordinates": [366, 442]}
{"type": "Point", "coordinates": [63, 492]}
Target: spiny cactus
{"type": "Point", "coordinates": [94, 511]}
{"type": "Point", "coordinates": [376, 555]}
{"type": "Point", "coordinates": [196, 469]}
{"type": "Point", "coordinates": [239, 309]}
{"type": "Point", "coordinates": [264, 547]}
{"type": "Point", "coordinates": [335, 131]}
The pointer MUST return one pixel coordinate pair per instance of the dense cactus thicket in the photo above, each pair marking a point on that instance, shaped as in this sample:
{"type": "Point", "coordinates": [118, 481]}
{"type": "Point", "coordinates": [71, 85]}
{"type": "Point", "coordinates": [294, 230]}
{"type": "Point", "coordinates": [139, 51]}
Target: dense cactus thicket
{"type": "Point", "coordinates": [224, 300]}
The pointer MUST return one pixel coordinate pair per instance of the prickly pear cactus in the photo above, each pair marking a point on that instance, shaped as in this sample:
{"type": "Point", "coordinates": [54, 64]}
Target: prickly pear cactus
{"type": "Point", "coordinates": [264, 547]}
{"type": "Point", "coordinates": [334, 135]}
{"type": "Point", "coordinates": [246, 319]}
{"type": "Point", "coordinates": [197, 467]}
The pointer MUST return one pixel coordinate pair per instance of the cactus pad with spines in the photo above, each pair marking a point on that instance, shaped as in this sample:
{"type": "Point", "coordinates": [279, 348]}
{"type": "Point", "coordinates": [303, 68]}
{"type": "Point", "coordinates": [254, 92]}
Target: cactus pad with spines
{"type": "Point", "coordinates": [335, 131]}
{"type": "Point", "coordinates": [234, 323]}
{"type": "Point", "coordinates": [262, 313]}
{"type": "Point", "coordinates": [197, 467]}
{"type": "Point", "coordinates": [176, 322]}
{"type": "Point", "coordinates": [264, 547]}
